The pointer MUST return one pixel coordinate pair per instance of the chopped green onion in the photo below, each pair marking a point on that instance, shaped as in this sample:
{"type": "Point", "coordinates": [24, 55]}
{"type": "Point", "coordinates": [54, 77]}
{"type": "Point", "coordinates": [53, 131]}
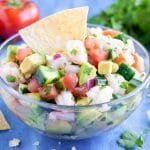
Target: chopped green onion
{"type": "Point", "coordinates": [10, 78]}
{"type": "Point", "coordinates": [126, 71]}
{"type": "Point", "coordinates": [74, 52]}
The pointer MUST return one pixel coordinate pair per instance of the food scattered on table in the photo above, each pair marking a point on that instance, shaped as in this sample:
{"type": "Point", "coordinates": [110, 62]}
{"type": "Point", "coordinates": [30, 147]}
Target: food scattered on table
{"type": "Point", "coordinates": [130, 139]}
{"type": "Point", "coordinates": [36, 143]}
{"type": "Point", "coordinates": [73, 148]}
{"type": "Point", "coordinates": [15, 142]}
{"type": "Point", "coordinates": [3, 122]}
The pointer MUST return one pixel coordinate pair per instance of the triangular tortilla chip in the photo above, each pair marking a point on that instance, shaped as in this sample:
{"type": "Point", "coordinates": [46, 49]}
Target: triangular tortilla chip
{"type": "Point", "coordinates": [3, 123]}
{"type": "Point", "coordinates": [50, 34]}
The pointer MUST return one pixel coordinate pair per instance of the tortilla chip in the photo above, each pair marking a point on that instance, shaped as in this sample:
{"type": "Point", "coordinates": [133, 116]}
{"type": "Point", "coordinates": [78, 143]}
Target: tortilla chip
{"type": "Point", "coordinates": [50, 34]}
{"type": "Point", "coordinates": [3, 123]}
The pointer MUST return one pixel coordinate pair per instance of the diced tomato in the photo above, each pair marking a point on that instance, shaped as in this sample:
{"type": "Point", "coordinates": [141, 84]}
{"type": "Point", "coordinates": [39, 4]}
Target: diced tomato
{"type": "Point", "coordinates": [33, 85]}
{"type": "Point", "coordinates": [120, 59]}
{"type": "Point", "coordinates": [70, 81]}
{"type": "Point", "coordinates": [97, 55]}
{"type": "Point", "coordinates": [90, 43]}
{"type": "Point", "coordinates": [22, 53]}
{"type": "Point", "coordinates": [81, 90]}
{"type": "Point", "coordinates": [111, 33]}
{"type": "Point", "coordinates": [138, 65]}
{"type": "Point", "coordinates": [48, 92]}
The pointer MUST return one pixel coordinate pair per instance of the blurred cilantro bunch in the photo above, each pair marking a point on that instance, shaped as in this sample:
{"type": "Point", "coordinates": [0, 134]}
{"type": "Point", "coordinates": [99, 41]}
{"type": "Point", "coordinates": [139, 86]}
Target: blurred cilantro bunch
{"type": "Point", "coordinates": [129, 16]}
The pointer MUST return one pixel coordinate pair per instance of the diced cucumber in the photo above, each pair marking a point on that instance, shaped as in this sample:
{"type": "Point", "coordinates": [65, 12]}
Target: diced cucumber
{"type": "Point", "coordinates": [59, 85]}
{"type": "Point", "coordinates": [101, 80]}
{"type": "Point", "coordinates": [126, 71]}
{"type": "Point", "coordinates": [61, 72]}
{"type": "Point", "coordinates": [23, 88]}
{"type": "Point", "coordinates": [11, 52]}
{"type": "Point", "coordinates": [45, 75]}
{"type": "Point", "coordinates": [135, 82]}
{"type": "Point", "coordinates": [111, 54]}
{"type": "Point", "coordinates": [127, 86]}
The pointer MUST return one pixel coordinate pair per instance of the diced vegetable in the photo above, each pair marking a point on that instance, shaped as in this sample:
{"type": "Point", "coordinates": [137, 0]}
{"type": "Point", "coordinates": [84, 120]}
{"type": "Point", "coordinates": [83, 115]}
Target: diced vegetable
{"type": "Point", "coordinates": [111, 54]}
{"type": "Point", "coordinates": [126, 71]}
{"type": "Point", "coordinates": [59, 84]}
{"type": "Point", "coordinates": [48, 92]}
{"type": "Point", "coordinates": [83, 101]}
{"type": "Point", "coordinates": [101, 80]}
{"type": "Point", "coordinates": [135, 82]}
{"type": "Point", "coordinates": [34, 96]}
{"type": "Point", "coordinates": [86, 72]}
{"type": "Point", "coordinates": [11, 52]}
{"type": "Point", "coordinates": [104, 67]}
{"type": "Point", "coordinates": [45, 75]}
{"type": "Point", "coordinates": [81, 90]}
{"type": "Point", "coordinates": [33, 85]}
{"type": "Point", "coordinates": [90, 43]}
{"type": "Point", "coordinates": [22, 53]}
{"type": "Point", "coordinates": [31, 63]}
{"type": "Point", "coordinates": [10, 78]}
{"type": "Point", "coordinates": [23, 88]}
{"type": "Point", "coordinates": [90, 83]}
{"type": "Point", "coordinates": [115, 67]}
{"type": "Point", "coordinates": [97, 55]}
{"type": "Point", "coordinates": [85, 117]}
{"type": "Point", "coordinates": [70, 81]}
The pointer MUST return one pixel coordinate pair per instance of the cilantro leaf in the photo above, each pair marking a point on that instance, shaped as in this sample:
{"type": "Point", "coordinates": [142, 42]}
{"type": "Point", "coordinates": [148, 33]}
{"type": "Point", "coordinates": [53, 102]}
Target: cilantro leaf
{"type": "Point", "coordinates": [130, 139]}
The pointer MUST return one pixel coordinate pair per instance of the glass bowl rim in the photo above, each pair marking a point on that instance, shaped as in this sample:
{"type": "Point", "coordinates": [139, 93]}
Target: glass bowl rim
{"type": "Point", "coordinates": [21, 97]}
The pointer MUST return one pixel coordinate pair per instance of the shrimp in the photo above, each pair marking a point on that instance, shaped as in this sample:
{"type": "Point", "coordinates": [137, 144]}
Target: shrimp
{"type": "Point", "coordinates": [115, 80]}
{"type": "Point", "coordinates": [100, 95]}
{"type": "Point", "coordinates": [11, 69]}
{"type": "Point", "coordinates": [65, 98]}
{"type": "Point", "coordinates": [76, 52]}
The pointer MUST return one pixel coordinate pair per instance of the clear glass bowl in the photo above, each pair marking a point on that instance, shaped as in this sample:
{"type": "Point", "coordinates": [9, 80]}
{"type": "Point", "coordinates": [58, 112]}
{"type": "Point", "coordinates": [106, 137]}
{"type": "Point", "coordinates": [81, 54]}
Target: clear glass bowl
{"type": "Point", "coordinates": [75, 122]}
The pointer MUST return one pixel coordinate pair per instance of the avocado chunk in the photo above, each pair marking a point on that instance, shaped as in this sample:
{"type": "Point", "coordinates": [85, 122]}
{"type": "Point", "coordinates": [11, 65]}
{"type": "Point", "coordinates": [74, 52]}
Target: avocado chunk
{"type": "Point", "coordinates": [59, 127]}
{"type": "Point", "coordinates": [34, 96]}
{"type": "Point", "coordinates": [31, 63]}
{"type": "Point", "coordinates": [86, 72]}
{"type": "Point", "coordinates": [83, 101]}
{"type": "Point", "coordinates": [23, 88]}
{"type": "Point", "coordinates": [11, 52]}
{"type": "Point", "coordinates": [45, 75]}
{"type": "Point", "coordinates": [87, 116]}
{"type": "Point", "coordinates": [59, 85]}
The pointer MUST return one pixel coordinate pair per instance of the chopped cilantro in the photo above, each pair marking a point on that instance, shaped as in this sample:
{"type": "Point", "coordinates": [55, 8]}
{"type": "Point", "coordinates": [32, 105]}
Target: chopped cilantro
{"type": "Point", "coordinates": [121, 37]}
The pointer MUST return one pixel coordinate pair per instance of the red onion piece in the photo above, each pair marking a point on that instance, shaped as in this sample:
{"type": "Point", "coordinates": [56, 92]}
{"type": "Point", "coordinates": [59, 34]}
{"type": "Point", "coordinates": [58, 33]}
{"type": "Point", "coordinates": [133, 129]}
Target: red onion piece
{"type": "Point", "coordinates": [56, 56]}
{"type": "Point", "coordinates": [91, 83]}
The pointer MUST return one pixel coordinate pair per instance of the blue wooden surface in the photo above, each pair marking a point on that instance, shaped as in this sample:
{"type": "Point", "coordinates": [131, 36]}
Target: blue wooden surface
{"type": "Point", "coordinates": [106, 141]}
